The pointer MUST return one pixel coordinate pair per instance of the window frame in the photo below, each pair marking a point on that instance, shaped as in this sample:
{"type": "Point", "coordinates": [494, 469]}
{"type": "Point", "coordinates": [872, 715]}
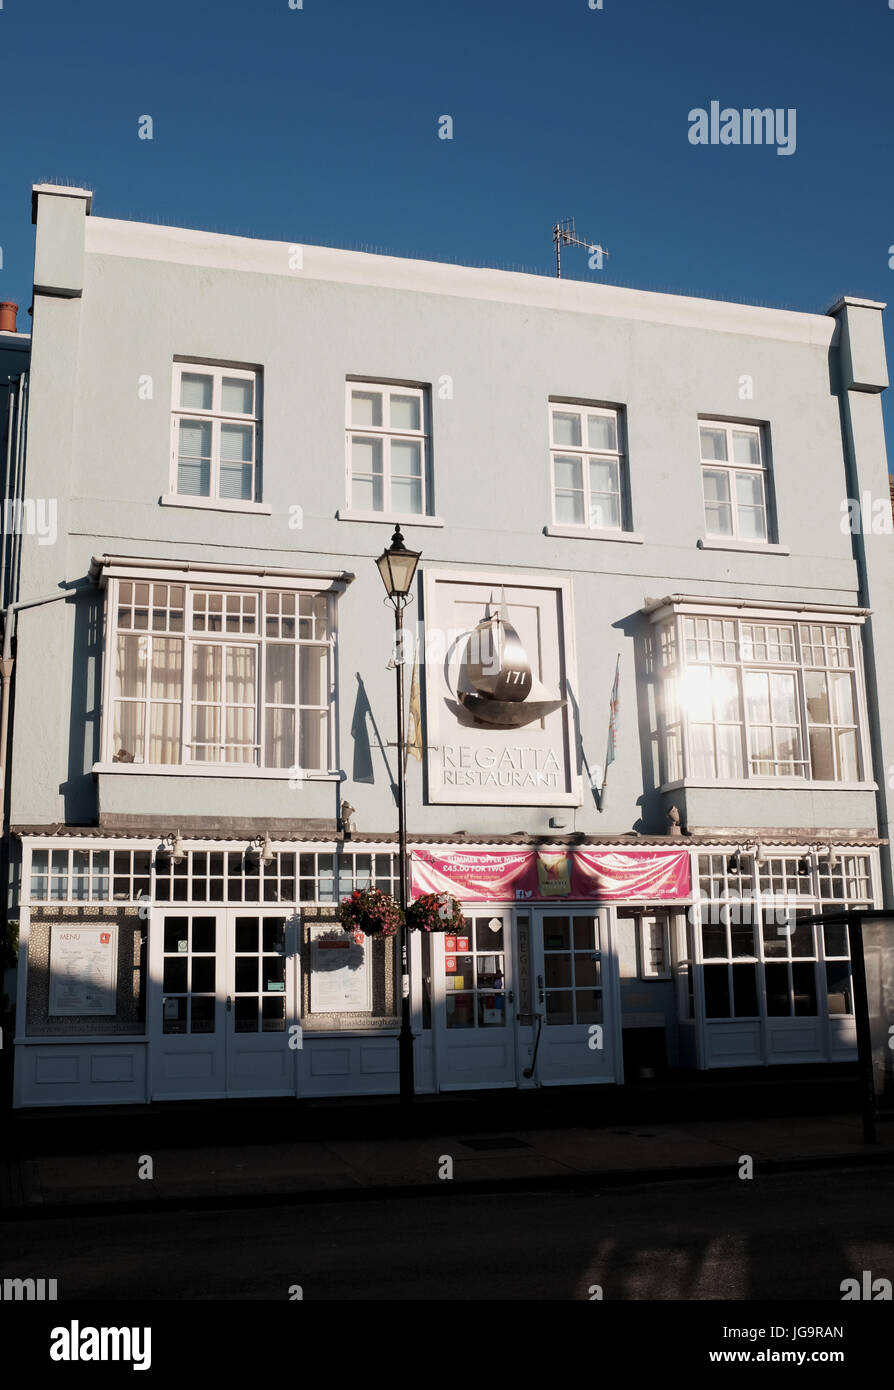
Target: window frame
{"type": "Point", "coordinates": [191, 638]}
{"type": "Point", "coordinates": [732, 468]}
{"type": "Point", "coordinates": [756, 897]}
{"type": "Point", "coordinates": [673, 721]}
{"type": "Point", "coordinates": [216, 417]}
{"type": "Point", "coordinates": [584, 453]}
{"type": "Point", "coordinates": [387, 388]}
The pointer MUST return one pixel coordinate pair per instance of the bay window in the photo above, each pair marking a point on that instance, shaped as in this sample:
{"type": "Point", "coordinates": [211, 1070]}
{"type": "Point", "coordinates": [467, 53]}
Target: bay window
{"type": "Point", "coordinates": [745, 698]}
{"type": "Point", "coordinates": [756, 955]}
{"type": "Point", "coordinates": [211, 675]}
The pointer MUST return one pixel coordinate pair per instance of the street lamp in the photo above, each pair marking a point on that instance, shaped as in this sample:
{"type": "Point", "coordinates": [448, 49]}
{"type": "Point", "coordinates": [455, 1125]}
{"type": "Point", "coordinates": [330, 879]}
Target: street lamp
{"type": "Point", "coordinates": [397, 566]}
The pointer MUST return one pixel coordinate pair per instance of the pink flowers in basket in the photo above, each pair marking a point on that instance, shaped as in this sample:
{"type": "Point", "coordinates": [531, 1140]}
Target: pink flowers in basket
{"type": "Point", "coordinates": [435, 912]}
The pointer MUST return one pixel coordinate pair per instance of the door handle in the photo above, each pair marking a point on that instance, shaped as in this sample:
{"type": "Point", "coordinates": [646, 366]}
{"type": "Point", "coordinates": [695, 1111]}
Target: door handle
{"type": "Point", "coordinates": [229, 1003]}
{"type": "Point", "coordinates": [511, 996]}
{"type": "Point", "coordinates": [540, 987]}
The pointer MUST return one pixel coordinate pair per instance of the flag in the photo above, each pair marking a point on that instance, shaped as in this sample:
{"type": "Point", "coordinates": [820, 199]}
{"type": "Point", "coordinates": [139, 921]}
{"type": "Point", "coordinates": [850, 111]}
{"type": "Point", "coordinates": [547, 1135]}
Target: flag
{"type": "Point", "coordinates": [413, 743]}
{"type": "Point", "coordinates": [612, 745]}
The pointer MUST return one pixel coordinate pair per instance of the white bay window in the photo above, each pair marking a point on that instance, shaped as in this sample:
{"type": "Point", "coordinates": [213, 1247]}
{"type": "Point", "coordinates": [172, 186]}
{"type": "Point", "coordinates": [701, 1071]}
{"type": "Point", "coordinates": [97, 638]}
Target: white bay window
{"type": "Point", "coordinates": [208, 675]}
{"type": "Point", "coordinates": [746, 698]}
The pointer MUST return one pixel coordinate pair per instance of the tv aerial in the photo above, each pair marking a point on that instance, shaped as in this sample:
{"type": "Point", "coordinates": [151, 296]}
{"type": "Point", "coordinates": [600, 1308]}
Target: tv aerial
{"type": "Point", "coordinates": [565, 234]}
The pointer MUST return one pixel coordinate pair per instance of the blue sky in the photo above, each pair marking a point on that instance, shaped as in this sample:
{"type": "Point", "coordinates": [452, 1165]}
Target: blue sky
{"type": "Point", "coordinates": [320, 125]}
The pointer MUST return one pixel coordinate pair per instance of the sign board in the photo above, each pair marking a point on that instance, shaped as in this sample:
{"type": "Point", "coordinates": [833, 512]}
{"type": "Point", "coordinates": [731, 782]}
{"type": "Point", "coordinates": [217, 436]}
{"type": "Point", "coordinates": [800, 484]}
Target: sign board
{"type": "Point", "coordinates": [499, 679]}
{"type": "Point", "coordinates": [549, 876]}
{"type": "Point", "coordinates": [83, 970]}
{"type": "Point", "coordinates": [340, 977]}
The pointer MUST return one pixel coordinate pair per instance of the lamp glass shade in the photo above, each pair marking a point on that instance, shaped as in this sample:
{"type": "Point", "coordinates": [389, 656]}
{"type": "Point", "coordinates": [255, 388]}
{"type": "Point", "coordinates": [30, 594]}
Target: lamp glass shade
{"type": "Point", "coordinates": [397, 566]}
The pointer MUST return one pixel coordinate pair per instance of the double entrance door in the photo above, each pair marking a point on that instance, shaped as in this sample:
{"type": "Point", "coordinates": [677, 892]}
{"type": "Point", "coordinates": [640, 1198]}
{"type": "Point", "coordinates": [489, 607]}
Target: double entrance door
{"type": "Point", "coordinates": [525, 998]}
{"type": "Point", "coordinates": [222, 999]}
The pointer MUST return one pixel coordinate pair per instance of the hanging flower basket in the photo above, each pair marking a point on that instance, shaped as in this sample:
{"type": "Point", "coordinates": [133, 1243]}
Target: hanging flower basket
{"type": "Point", "coordinates": [371, 911]}
{"type": "Point", "coordinates": [435, 912]}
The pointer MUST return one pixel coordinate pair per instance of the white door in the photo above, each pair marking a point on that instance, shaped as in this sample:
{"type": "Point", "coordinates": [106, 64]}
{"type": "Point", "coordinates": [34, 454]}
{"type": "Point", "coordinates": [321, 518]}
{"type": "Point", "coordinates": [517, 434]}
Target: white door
{"type": "Point", "coordinates": [475, 1034]}
{"type": "Point", "coordinates": [575, 996]}
{"type": "Point", "coordinates": [222, 998]}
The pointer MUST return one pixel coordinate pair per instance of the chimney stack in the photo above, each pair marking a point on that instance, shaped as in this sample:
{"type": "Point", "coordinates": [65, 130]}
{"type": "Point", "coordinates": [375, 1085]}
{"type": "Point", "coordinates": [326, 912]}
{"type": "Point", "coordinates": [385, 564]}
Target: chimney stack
{"type": "Point", "coordinates": [8, 313]}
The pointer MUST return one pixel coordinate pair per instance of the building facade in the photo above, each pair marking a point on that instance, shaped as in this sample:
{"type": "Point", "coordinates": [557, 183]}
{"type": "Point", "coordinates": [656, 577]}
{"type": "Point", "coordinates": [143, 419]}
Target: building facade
{"type": "Point", "coordinates": [626, 502]}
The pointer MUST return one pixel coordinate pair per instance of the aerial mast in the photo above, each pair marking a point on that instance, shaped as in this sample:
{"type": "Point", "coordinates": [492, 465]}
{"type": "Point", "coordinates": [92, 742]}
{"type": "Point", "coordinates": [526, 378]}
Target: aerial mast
{"type": "Point", "coordinates": [564, 234]}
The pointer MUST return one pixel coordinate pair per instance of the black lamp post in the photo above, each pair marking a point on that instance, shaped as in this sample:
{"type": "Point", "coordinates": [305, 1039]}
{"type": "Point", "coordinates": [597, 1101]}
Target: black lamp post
{"type": "Point", "coordinates": [397, 566]}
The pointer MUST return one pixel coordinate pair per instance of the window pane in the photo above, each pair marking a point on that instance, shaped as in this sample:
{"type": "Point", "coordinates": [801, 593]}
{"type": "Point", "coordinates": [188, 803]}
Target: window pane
{"type": "Point", "coordinates": [406, 495]}
{"type": "Point", "coordinates": [752, 524]}
{"type": "Point", "coordinates": [366, 408]}
{"type": "Point", "coordinates": [196, 391]}
{"type": "Point", "coordinates": [823, 767]}
{"type": "Point", "coordinates": [746, 447]}
{"type": "Point", "coordinates": [312, 751]}
{"type": "Point", "coordinates": [804, 989]}
{"type": "Point", "coordinates": [312, 675]}
{"type": "Point", "coordinates": [838, 988]}
{"type": "Point", "coordinates": [405, 413]}
{"type": "Point", "coordinates": [603, 475]}
{"type": "Point", "coordinates": [605, 511]}
{"type": "Point", "coordinates": [602, 432]}
{"type": "Point", "coordinates": [237, 396]}
{"type": "Point", "coordinates": [726, 694]}
{"type": "Point", "coordinates": [749, 490]}
{"type": "Point", "coordinates": [757, 697]}
{"type": "Point", "coordinates": [716, 485]}
{"type": "Point", "coordinates": [130, 723]}
{"type": "Point", "coordinates": [206, 667]}
{"type": "Point", "coordinates": [777, 990]}
{"type": "Point", "coordinates": [701, 747]}
{"type": "Point", "coordinates": [847, 756]}
{"type": "Point", "coordinates": [280, 675]}
{"type": "Point", "coordinates": [713, 443]}
{"type": "Point", "coordinates": [240, 675]}
{"type": "Point", "coordinates": [406, 458]}
{"type": "Point", "coordinates": [570, 508]}
{"type": "Point", "coordinates": [279, 734]}
{"type": "Point", "coordinates": [729, 751]}
{"type": "Point", "coordinates": [745, 991]}
{"type": "Point", "coordinates": [236, 452]}
{"type": "Point", "coordinates": [784, 699]}
{"type": "Point", "coordinates": [194, 458]}
{"type": "Point", "coordinates": [842, 699]}
{"type": "Point", "coordinates": [131, 665]}
{"type": "Point", "coordinates": [817, 697]}
{"type": "Point", "coordinates": [566, 429]}
{"type": "Point", "coordinates": [366, 494]}
{"type": "Point", "coordinates": [568, 472]}
{"type": "Point", "coordinates": [717, 1001]}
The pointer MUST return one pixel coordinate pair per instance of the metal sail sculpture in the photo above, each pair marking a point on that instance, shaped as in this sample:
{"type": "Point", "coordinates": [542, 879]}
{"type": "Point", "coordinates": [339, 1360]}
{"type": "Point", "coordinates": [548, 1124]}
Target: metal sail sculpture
{"type": "Point", "coordinates": [496, 684]}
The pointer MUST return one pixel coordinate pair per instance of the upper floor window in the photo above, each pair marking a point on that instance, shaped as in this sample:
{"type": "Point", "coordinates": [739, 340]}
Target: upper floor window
{"type": "Point", "coordinates": [388, 449]}
{"type": "Point", "coordinates": [745, 698]}
{"type": "Point", "coordinates": [587, 461]}
{"type": "Point", "coordinates": [734, 477]}
{"type": "Point", "coordinates": [206, 674]}
{"type": "Point", "coordinates": [216, 432]}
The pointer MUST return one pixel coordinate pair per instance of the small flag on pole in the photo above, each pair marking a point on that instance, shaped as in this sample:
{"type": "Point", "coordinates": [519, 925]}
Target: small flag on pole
{"type": "Point", "coordinates": [612, 744]}
{"type": "Point", "coordinates": [414, 724]}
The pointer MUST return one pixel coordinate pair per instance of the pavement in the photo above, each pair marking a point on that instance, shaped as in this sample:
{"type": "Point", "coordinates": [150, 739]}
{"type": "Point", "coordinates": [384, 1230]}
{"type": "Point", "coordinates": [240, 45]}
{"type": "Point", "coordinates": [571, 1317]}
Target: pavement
{"type": "Point", "coordinates": [252, 1153]}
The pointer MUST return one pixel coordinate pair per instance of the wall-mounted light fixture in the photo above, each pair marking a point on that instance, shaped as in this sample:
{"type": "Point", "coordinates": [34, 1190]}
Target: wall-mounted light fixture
{"type": "Point", "coordinates": [172, 846]}
{"type": "Point", "coordinates": [261, 848]}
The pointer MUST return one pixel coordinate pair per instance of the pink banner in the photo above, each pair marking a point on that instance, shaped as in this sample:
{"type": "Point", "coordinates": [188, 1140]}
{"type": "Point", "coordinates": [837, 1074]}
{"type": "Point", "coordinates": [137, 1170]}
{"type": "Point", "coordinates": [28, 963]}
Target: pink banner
{"type": "Point", "coordinates": [480, 876]}
{"type": "Point", "coordinates": [550, 875]}
{"type": "Point", "coordinates": [617, 874]}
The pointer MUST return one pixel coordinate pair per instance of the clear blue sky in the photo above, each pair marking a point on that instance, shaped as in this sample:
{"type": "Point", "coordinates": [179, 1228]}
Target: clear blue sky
{"type": "Point", "coordinates": [320, 125]}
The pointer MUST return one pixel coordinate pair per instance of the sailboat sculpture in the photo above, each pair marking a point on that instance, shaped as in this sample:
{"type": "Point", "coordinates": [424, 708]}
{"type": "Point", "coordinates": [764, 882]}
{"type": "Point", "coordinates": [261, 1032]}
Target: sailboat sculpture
{"type": "Point", "coordinates": [496, 685]}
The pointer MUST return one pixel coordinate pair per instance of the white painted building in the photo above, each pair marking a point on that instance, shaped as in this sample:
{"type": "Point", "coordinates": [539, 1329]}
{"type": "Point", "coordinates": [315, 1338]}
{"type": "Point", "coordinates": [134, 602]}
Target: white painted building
{"type": "Point", "coordinates": [202, 676]}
